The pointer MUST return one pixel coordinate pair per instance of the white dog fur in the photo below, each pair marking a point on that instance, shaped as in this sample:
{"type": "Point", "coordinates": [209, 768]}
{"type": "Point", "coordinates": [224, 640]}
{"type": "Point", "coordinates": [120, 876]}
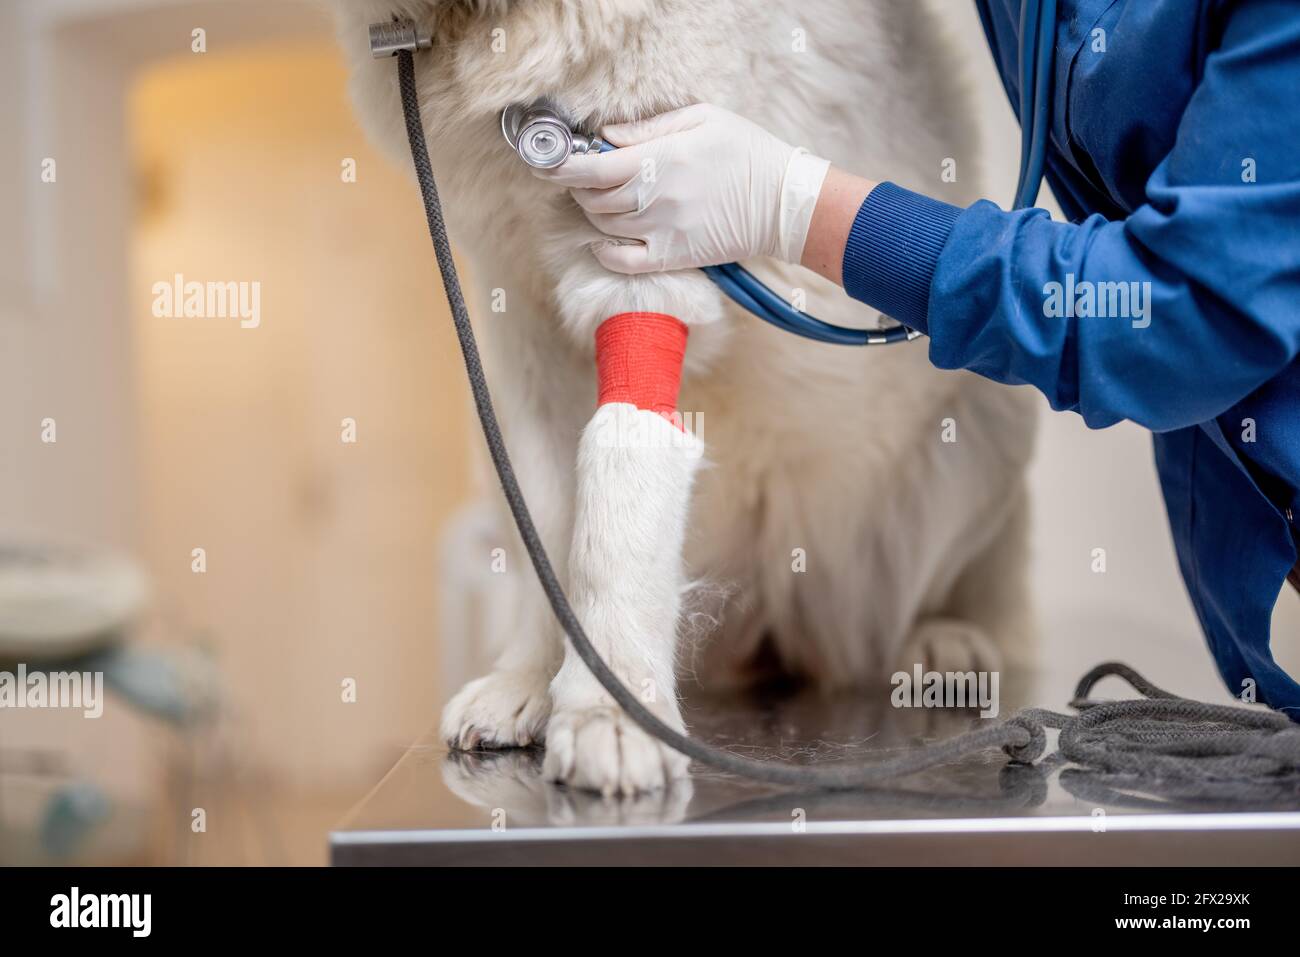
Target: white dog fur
{"type": "Point", "coordinates": [846, 532]}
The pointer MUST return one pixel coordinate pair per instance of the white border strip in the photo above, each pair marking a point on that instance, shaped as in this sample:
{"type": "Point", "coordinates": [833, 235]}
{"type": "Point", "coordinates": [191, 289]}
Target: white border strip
{"type": "Point", "coordinates": [1128, 823]}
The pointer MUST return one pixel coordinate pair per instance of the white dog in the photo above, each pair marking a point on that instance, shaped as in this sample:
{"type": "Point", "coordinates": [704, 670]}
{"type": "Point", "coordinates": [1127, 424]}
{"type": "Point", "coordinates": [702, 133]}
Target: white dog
{"type": "Point", "coordinates": [860, 511]}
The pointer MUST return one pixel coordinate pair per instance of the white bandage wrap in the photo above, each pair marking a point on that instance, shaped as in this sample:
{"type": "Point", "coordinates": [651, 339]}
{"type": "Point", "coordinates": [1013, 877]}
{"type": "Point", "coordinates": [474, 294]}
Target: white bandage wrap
{"type": "Point", "coordinates": [634, 471]}
{"type": "Point", "coordinates": [800, 187]}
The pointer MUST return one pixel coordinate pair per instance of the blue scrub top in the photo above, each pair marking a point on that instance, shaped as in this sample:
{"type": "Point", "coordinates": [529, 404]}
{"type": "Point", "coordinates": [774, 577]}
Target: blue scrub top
{"type": "Point", "coordinates": [1171, 297]}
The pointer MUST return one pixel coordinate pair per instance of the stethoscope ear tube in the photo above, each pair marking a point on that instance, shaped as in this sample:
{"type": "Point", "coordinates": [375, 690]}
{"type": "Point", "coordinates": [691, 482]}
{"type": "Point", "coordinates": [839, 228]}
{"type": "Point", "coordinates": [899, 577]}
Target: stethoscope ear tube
{"type": "Point", "coordinates": [1037, 46]}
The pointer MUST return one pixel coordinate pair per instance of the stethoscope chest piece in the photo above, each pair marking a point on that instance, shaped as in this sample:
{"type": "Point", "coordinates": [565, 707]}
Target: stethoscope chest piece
{"type": "Point", "coordinates": [540, 135]}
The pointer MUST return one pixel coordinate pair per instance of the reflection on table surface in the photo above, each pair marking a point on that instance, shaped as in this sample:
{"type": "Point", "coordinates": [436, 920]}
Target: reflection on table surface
{"type": "Point", "coordinates": [432, 789]}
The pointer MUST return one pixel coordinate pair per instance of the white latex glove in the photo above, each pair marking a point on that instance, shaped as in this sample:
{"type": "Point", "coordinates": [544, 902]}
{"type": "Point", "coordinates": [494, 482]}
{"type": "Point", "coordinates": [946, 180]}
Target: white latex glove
{"type": "Point", "coordinates": [694, 187]}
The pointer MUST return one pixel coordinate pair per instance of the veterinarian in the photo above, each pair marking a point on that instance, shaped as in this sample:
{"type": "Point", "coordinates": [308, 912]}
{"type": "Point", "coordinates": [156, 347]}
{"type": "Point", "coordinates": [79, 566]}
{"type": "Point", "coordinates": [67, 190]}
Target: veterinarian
{"type": "Point", "coordinates": [1171, 297]}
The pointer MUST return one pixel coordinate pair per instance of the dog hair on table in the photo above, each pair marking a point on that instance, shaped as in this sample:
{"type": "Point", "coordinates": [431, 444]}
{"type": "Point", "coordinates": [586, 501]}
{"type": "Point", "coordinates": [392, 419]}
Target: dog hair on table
{"type": "Point", "coordinates": [861, 511]}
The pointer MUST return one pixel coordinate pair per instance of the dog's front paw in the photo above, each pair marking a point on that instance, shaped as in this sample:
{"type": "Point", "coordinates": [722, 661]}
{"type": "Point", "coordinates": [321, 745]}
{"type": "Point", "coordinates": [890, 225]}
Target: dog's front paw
{"type": "Point", "coordinates": [599, 748]}
{"type": "Point", "coordinates": [949, 645]}
{"type": "Point", "coordinates": [506, 709]}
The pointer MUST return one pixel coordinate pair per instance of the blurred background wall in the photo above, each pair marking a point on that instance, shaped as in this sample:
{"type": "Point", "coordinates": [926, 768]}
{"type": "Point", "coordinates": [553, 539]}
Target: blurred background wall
{"type": "Point", "coordinates": [313, 458]}
{"type": "Point", "coordinates": [322, 554]}
{"type": "Point", "coordinates": [320, 550]}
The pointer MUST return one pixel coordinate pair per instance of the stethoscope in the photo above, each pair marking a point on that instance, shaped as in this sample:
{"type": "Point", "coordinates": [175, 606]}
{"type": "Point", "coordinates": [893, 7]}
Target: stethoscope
{"type": "Point", "coordinates": [544, 139]}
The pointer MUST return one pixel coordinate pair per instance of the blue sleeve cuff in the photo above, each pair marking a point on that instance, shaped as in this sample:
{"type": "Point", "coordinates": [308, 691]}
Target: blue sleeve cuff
{"type": "Point", "coordinates": [893, 249]}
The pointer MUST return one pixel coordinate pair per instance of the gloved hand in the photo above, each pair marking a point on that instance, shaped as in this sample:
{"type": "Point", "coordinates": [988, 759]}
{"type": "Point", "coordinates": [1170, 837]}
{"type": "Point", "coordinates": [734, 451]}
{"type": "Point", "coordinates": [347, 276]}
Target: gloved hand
{"type": "Point", "coordinates": [694, 187]}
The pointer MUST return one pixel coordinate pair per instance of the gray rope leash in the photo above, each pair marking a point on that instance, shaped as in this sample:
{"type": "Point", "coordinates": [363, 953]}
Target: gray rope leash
{"type": "Point", "coordinates": [1169, 735]}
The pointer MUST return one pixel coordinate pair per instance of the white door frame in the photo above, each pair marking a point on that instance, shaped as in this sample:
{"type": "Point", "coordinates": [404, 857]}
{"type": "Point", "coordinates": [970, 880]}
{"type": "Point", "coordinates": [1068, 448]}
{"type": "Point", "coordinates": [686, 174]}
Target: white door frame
{"type": "Point", "coordinates": [66, 351]}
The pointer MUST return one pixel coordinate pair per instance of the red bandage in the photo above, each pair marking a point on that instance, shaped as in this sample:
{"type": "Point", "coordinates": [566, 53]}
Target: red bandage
{"type": "Point", "coordinates": [639, 361]}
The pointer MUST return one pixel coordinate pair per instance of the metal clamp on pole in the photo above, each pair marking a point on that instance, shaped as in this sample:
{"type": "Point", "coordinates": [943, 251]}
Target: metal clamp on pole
{"type": "Point", "coordinates": [390, 37]}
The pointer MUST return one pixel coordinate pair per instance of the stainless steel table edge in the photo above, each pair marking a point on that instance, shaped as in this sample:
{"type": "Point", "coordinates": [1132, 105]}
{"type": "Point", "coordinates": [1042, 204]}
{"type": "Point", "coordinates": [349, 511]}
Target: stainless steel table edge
{"type": "Point", "coordinates": [1253, 838]}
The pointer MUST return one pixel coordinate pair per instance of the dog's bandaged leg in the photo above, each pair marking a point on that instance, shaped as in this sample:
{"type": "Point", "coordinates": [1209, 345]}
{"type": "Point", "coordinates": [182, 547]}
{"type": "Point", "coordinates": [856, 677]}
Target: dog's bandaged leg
{"type": "Point", "coordinates": [635, 469]}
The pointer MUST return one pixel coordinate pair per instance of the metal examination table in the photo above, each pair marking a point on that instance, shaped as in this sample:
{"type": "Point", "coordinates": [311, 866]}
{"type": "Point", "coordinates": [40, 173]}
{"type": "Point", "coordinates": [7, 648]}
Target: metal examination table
{"type": "Point", "coordinates": [494, 808]}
